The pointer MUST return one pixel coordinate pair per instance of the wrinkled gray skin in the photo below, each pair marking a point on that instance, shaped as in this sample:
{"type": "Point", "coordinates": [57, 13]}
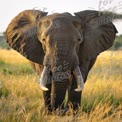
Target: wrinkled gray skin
{"type": "Point", "coordinates": [62, 49]}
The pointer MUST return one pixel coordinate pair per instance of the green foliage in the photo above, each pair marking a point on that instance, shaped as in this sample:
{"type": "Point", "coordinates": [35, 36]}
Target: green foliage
{"type": "Point", "coordinates": [4, 92]}
{"type": "Point", "coordinates": [14, 69]}
{"type": "Point", "coordinates": [118, 43]}
{"type": "Point", "coordinates": [3, 43]}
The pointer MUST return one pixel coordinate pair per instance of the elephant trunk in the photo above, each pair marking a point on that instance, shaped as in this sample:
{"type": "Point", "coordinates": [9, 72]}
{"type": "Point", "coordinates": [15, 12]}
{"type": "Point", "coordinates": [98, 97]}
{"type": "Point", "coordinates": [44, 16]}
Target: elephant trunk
{"type": "Point", "coordinates": [59, 76]}
{"type": "Point", "coordinates": [58, 92]}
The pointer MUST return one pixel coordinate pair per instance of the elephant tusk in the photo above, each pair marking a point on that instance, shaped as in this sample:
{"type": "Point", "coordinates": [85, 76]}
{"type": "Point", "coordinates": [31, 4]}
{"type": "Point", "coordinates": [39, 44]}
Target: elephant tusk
{"type": "Point", "coordinates": [44, 78]}
{"type": "Point", "coordinates": [79, 79]}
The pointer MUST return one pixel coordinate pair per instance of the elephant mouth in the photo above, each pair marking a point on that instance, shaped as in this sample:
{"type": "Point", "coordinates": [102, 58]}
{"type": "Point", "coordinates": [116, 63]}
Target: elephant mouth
{"type": "Point", "coordinates": [59, 76]}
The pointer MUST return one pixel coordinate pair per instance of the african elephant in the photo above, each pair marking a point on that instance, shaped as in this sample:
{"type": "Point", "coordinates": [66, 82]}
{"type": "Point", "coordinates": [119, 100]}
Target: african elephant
{"type": "Point", "coordinates": [63, 47]}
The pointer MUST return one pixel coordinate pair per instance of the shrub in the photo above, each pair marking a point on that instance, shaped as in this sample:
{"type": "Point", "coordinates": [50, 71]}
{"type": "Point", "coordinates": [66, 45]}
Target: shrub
{"type": "Point", "coordinates": [118, 43]}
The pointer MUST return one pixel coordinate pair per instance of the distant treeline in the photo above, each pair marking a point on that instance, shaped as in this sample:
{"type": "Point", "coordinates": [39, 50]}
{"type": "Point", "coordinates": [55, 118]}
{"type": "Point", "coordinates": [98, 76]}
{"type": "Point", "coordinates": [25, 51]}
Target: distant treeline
{"type": "Point", "coordinates": [3, 43]}
{"type": "Point", "coordinates": [118, 43]}
{"type": "Point", "coordinates": [116, 46]}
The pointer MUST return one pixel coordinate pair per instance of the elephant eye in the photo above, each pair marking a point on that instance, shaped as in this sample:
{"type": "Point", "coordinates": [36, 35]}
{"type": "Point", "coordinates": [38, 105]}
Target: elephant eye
{"type": "Point", "coordinates": [43, 39]}
{"type": "Point", "coordinates": [79, 39]}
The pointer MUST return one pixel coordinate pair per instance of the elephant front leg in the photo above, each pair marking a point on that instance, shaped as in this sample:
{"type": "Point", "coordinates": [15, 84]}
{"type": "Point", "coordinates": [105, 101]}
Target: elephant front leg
{"type": "Point", "coordinates": [74, 98]}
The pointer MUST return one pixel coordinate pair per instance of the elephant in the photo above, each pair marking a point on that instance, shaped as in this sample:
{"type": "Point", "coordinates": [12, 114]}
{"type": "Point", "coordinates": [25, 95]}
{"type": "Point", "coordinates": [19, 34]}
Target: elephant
{"type": "Point", "coordinates": [62, 48]}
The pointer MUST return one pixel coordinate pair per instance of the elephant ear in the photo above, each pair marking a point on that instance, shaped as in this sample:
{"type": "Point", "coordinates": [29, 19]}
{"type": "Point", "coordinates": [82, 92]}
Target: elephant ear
{"type": "Point", "coordinates": [99, 33]}
{"type": "Point", "coordinates": [21, 35]}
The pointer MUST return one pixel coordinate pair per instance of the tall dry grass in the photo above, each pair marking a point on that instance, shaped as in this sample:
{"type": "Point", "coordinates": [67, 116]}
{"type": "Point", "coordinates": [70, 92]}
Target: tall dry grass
{"type": "Point", "coordinates": [21, 98]}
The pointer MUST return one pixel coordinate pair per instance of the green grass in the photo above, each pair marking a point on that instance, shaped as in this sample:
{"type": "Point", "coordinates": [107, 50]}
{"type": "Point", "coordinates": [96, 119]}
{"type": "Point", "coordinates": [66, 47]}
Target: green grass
{"type": "Point", "coordinates": [118, 43]}
{"type": "Point", "coordinates": [3, 43]}
{"type": "Point", "coordinates": [15, 69]}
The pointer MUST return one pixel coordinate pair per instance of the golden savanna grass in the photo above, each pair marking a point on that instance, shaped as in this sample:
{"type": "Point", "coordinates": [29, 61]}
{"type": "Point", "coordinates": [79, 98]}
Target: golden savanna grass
{"type": "Point", "coordinates": [21, 98]}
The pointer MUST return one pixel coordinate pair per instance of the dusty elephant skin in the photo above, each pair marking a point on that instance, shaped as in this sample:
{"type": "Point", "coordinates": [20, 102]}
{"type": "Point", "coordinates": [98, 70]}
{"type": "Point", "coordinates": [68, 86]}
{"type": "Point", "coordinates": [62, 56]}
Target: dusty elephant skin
{"type": "Point", "coordinates": [62, 49]}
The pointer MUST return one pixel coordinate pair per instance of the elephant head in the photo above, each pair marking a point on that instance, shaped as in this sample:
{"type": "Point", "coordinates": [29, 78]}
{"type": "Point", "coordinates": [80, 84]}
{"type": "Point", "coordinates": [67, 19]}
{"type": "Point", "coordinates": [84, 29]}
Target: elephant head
{"type": "Point", "coordinates": [65, 45]}
{"type": "Point", "coordinates": [60, 37]}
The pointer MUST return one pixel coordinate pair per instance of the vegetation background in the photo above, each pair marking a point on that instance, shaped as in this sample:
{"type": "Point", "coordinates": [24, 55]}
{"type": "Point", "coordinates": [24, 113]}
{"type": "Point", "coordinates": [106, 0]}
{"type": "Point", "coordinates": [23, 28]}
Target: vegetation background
{"type": "Point", "coordinates": [21, 98]}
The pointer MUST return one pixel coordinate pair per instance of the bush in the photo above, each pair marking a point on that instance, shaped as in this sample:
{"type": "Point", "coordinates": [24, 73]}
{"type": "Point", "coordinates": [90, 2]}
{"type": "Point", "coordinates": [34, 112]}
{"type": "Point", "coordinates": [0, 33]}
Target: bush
{"type": "Point", "coordinates": [118, 43]}
{"type": "Point", "coordinates": [3, 43]}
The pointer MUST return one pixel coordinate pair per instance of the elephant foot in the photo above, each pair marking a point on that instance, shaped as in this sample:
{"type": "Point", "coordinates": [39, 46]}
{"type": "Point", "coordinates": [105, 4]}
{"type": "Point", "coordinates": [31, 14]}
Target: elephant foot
{"type": "Point", "coordinates": [62, 112]}
{"type": "Point", "coordinates": [58, 112]}
{"type": "Point", "coordinates": [66, 112]}
{"type": "Point", "coordinates": [71, 111]}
